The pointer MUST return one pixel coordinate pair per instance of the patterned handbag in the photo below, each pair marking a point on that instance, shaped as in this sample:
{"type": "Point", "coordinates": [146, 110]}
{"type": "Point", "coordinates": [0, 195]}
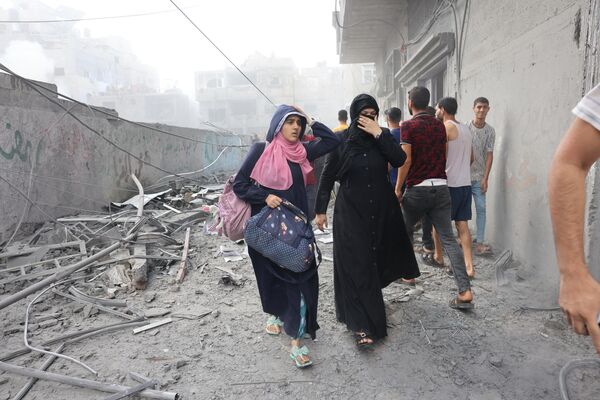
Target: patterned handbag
{"type": "Point", "coordinates": [284, 236]}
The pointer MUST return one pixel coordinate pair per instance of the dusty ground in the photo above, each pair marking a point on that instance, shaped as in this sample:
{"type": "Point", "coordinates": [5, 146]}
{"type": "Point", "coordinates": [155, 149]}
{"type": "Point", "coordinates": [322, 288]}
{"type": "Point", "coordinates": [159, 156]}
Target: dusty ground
{"type": "Point", "coordinates": [498, 351]}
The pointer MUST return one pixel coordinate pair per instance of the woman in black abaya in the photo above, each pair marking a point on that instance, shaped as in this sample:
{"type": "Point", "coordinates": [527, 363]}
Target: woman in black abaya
{"type": "Point", "coordinates": [371, 247]}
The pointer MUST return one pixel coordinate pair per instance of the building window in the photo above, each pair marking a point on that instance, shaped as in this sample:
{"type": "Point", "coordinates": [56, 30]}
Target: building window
{"type": "Point", "coordinates": [368, 74]}
{"type": "Point", "coordinates": [214, 83]}
{"type": "Point", "coordinates": [275, 81]}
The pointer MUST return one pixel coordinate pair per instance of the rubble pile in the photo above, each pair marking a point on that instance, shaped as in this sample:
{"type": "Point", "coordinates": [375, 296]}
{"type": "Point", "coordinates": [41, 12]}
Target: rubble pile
{"type": "Point", "coordinates": [87, 265]}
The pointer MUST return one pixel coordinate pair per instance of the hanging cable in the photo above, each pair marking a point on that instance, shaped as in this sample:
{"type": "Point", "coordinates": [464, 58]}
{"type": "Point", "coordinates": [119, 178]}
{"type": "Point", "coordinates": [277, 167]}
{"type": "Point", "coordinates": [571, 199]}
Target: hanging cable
{"type": "Point", "coordinates": [46, 21]}
{"type": "Point", "coordinates": [221, 51]}
{"type": "Point", "coordinates": [112, 115]}
{"type": "Point", "coordinates": [96, 132]}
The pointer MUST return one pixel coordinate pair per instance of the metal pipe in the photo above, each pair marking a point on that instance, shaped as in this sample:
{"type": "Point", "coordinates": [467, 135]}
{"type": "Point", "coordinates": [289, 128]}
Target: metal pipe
{"type": "Point", "coordinates": [85, 383]}
{"type": "Point", "coordinates": [25, 389]}
{"type": "Point", "coordinates": [60, 274]}
{"type": "Point", "coordinates": [140, 210]}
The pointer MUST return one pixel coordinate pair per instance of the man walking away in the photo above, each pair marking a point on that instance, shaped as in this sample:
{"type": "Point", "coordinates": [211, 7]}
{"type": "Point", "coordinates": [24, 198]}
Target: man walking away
{"type": "Point", "coordinates": [458, 171]}
{"type": "Point", "coordinates": [484, 136]}
{"type": "Point", "coordinates": [393, 116]}
{"type": "Point", "coordinates": [343, 120]}
{"type": "Point", "coordinates": [424, 142]}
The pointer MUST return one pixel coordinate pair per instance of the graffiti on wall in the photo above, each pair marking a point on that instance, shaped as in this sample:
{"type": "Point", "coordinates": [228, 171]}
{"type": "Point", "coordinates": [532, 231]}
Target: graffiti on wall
{"type": "Point", "coordinates": [19, 147]}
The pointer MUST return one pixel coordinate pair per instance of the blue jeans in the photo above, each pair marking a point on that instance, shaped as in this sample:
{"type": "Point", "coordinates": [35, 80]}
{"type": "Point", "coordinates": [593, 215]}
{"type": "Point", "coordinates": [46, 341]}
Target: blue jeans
{"type": "Point", "coordinates": [479, 199]}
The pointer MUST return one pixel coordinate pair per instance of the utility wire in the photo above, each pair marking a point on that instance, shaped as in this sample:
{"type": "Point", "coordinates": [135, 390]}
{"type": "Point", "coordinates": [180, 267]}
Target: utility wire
{"type": "Point", "coordinates": [224, 55]}
{"type": "Point", "coordinates": [96, 132]}
{"type": "Point", "coordinates": [92, 109]}
{"type": "Point", "coordinates": [44, 21]}
{"type": "Point", "coordinates": [14, 171]}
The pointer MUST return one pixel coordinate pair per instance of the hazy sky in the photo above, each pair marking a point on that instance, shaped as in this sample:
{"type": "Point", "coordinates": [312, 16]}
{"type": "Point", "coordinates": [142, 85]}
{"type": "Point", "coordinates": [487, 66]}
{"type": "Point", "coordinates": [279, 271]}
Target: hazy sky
{"type": "Point", "coordinates": [168, 42]}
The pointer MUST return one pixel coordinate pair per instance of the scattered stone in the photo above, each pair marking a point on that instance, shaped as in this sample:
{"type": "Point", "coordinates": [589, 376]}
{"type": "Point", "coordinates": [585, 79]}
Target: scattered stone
{"type": "Point", "coordinates": [149, 297]}
{"type": "Point", "coordinates": [198, 291]}
{"type": "Point", "coordinates": [89, 311]}
{"type": "Point", "coordinates": [181, 363]}
{"type": "Point", "coordinates": [77, 308]}
{"type": "Point", "coordinates": [47, 323]}
{"type": "Point", "coordinates": [496, 361]}
{"type": "Point", "coordinates": [215, 313]}
{"type": "Point", "coordinates": [13, 330]}
{"type": "Point", "coordinates": [156, 312]}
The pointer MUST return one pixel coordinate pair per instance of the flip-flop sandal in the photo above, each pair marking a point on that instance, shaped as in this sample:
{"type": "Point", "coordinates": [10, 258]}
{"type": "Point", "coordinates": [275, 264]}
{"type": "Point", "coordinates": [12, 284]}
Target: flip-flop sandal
{"type": "Point", "coordinates": [460, 305]}
{"type": "Point", "coordinates": [362, 340]}
{"type": "Point", "coordinates": [297, 353]}
{"type": "Point", "coordinates": [274, 325]}
{"type": "Point", "coordinates": [430, 260]}
{"type": "Point", "coordinates": [407, 282]}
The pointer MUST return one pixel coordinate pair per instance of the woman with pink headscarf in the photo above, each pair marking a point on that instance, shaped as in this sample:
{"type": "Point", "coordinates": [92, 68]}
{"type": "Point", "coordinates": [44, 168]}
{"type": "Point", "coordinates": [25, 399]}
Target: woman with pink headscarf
{"type": "Point", "coordinates": [274, 170]}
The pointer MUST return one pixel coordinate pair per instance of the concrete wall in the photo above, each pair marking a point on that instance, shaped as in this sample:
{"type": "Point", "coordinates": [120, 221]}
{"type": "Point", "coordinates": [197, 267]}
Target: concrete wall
{"type": "Point", "coordinates": [74, 169]}
{"type": "Point", "coordinates": [528, 58]}
{"type": "Point", "coordinates": [532, 72]}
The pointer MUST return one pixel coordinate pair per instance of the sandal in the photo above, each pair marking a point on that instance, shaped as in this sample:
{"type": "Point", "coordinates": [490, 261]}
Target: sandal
{"type": "Point", "coordinates": [300, 356]}
{"type": "Point", "coordinates": [481, 249]}
{"type": "Point", "coordinates": [274, 325]}
{"type": "Point", "coordinates": [430, 260]}
{"type": "Point", "coordinates": [408, 282]}
{"type": "Point", "coordinates": [364, 340]}
{"type": "Point", "coordinates": [456, 304]}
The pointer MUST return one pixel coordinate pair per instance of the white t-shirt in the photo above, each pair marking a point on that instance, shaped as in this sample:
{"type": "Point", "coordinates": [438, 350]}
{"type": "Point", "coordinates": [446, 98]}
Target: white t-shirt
{"type": "Point", "coordinates": [588, 109]}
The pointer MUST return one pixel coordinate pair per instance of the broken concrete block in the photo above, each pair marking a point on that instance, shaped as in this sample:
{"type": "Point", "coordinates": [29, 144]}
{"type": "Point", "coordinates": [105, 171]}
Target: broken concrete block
{"type": "Point", "coordinates": [496, 361]}
{"type": "Point", "coordinates": [89, 311]}
{"type": "Point", "coordinates": [139, 267]}
{"type": "Point", "coordinates": [47, 323]}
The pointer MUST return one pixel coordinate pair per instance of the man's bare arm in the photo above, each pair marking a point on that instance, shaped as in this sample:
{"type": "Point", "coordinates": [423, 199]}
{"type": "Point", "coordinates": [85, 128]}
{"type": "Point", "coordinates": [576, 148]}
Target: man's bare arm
{"type": "Point", "coordinates": [489, 159]}
{"type": "Point", "coordinates": [403, 170]}
{"type": "Point", "coordinates": [579, 292]}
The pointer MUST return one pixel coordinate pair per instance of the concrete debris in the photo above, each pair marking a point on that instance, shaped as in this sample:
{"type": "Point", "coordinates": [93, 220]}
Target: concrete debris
{"type": "Point", "coordinates": [88, 269]}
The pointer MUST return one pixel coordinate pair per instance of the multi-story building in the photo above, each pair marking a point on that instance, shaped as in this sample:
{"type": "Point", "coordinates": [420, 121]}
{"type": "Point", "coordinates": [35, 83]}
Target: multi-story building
{"type": "Point", "coordinates": [229, 100]}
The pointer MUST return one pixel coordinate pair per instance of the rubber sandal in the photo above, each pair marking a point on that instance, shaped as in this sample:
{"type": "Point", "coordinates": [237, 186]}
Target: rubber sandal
{"type": "Point", "coordinates": [460, 305]}
{"type": "Point", "coordinates": [297, 352]}
{"type": "Point", "coordinates": [360, 340]}
{"type": "Point", "coordinates": [429, 260]}
{"type": "Point", "coordinates": [482, 249]}
{"type": "Point", "coordinates": [407, 282]}
{"type": "Point", "coordinates": [274, 325]}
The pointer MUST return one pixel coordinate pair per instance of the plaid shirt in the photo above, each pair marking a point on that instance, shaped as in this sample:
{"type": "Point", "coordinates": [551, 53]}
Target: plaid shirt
{"type": "Point", "coordinates": [427, 137]}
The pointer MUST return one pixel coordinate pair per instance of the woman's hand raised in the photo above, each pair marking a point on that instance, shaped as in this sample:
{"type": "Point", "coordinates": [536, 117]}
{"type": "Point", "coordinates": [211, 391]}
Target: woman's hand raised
{"type": "Point", "coordinates": [370, 126]}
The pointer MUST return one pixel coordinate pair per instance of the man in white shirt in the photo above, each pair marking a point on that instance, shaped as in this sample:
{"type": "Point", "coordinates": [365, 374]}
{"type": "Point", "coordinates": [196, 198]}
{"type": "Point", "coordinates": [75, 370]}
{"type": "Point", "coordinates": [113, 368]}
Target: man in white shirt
{"type": "Point", "coordinates": [579, 295]}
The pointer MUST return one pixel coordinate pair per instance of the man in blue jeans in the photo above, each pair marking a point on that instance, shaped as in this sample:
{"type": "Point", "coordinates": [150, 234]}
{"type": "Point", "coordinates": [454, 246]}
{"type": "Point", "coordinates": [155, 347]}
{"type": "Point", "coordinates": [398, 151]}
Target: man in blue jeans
{"type": "Point", "coordinates": [424, 142]}
{"type": "Point", "coordinates": [484, 137]}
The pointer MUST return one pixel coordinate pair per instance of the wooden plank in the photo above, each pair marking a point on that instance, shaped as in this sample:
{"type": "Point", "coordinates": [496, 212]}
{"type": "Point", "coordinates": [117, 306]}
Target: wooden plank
{"type": "Point", "coordinates": [183, 267]}
{"type": "Point", "coordinates": [153, 325]}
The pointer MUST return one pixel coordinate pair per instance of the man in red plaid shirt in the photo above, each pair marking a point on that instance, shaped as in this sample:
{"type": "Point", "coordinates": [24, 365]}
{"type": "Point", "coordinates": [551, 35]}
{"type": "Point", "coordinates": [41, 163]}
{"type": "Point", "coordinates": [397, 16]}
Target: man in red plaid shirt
{"type": "Point", "coordinates": [424, 142]}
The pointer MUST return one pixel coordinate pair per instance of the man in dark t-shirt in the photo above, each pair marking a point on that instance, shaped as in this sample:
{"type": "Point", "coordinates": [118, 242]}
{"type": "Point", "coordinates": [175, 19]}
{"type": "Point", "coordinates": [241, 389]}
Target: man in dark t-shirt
{"type": "Point", "coordinates": [424, 171]}
{"type": "Point", "coordinates": [393, 116]}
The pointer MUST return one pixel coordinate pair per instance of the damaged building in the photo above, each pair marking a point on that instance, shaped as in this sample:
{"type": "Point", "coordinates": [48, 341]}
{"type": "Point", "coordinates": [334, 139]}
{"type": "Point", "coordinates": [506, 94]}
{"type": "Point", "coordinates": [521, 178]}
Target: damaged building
{"type": "Point", "coordinates": [532, 60]}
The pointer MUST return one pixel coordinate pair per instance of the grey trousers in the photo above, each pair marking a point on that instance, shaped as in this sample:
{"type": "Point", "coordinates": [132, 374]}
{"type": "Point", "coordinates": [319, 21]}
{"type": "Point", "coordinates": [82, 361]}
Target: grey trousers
{"type": "Point", "coordinates": [434, 203]}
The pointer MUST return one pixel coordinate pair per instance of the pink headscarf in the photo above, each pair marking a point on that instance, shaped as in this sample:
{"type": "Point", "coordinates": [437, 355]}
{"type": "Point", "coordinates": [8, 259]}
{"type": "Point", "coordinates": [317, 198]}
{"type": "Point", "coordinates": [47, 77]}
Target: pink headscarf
{"type": "Point", "coordinates": [272, 170]}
